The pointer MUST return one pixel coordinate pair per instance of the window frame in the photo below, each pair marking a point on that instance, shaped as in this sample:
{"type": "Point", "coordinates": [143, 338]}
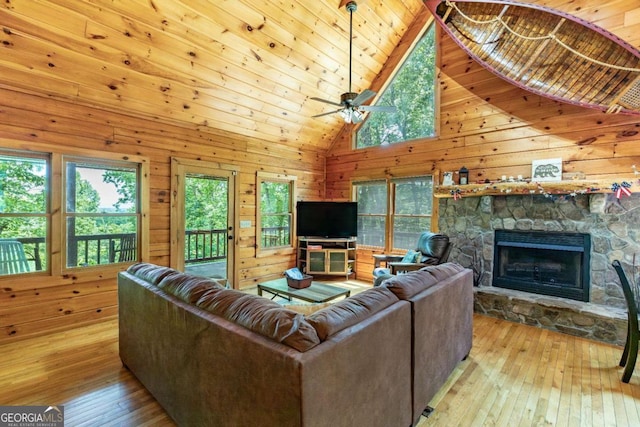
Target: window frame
{"type": "Point", "coordinates": [56, 235]}
{"type": "Point", "coordinates": [262, 177]}
{"type": "Point", "coordinates": [66, 215]}
{"type": "Point", "coordinates": [46, 159]}
{"type": "Point", "coordinates": [390, 214]}
{"type": "Point", "coordinates": [395, 69]}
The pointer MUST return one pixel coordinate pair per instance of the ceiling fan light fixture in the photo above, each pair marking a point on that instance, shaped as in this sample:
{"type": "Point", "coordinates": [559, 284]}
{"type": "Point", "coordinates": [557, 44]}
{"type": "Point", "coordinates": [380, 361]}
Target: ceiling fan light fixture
{"type": "Point", "coordinates": [346, 115]}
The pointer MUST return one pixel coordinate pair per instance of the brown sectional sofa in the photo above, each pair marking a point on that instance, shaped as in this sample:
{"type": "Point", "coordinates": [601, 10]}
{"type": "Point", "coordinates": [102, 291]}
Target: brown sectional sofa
{"type": "Point", "coordinates": [441, 300]}
{"type": "Point", "coordinates": [218, 357]}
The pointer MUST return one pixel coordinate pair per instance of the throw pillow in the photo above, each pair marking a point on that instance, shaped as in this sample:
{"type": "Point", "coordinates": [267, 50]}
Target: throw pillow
{"type": "Point", "coordinates": [410, 257]}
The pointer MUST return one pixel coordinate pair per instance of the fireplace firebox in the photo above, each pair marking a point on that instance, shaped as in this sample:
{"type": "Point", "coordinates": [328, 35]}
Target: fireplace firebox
{"type": "Point", "coordinates": [547, 263]}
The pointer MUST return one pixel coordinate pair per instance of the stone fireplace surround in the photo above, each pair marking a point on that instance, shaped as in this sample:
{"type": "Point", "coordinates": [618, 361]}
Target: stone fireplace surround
{"type": "Point", "coordinates": [614, 226]}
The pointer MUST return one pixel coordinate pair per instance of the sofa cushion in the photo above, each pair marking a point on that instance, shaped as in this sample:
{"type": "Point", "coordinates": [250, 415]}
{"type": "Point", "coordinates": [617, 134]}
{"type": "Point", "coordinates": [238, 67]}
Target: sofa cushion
{"type": "Point", "coordinates": [150, 272]}
{"type": "Point", "coordinates": [187, 287]}
{"type": "Point", "coordinates": [350, 311]}
{"type": "Point", "coordinates": [308, 308]}
{"type": "Point", "coordinates": [262, 316]}
{"type": "Point", "coordinates": [405, 286]}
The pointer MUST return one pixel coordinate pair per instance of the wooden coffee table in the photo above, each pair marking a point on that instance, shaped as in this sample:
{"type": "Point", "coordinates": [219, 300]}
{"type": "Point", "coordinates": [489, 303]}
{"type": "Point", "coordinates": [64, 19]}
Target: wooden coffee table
{"type": "Point", "coordinates": [317, 292]}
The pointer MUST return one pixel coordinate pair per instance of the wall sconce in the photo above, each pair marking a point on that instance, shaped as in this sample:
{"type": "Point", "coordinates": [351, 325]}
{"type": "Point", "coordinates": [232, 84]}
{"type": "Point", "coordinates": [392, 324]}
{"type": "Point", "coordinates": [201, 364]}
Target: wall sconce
{"type": "Point", "coordinates": [464, 176]}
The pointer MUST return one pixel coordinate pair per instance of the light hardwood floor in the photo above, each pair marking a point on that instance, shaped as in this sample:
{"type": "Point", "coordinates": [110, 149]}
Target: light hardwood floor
{"type": "Point", "coordinates": [516, 375]}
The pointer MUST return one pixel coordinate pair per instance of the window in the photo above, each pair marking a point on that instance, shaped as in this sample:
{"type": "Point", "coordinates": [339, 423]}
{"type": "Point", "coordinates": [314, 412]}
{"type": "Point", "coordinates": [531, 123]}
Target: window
{"type": "Point", "coordinates": [372, 212]}
{"type": "Point", "coordinates": [412, 92]}
{"type": "Point", "coordinates": [413, 200]}
{"type": "Point", "coordinates": [275, 210]}
{"type": "Point", "coordinates": [60, 211]}
{"type": "Point", "coordinates": [101, 211]}
{"type": "Point", "coordinates": [24, 219]}
{"type": "Point", "coordinates": [393, 213]}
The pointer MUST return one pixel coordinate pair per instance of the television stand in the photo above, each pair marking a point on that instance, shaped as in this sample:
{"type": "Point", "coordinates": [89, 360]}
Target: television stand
{"type": "Point", "coordinates": [325, 255]}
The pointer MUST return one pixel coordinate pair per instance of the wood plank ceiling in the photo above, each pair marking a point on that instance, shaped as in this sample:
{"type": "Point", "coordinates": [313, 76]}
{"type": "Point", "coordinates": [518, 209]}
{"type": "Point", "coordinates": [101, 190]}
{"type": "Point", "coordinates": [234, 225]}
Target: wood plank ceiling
{"type": "Point", "coordinates": [242, 66]}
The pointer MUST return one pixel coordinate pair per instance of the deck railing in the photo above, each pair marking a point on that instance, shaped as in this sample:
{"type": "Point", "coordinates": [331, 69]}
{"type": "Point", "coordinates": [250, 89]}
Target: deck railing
{"type": "Point", "coordinates": [273, 237]}
{"type": "Point", "coordinates": [95, 249]}
{"type": "Point", "coordinates": [205, 245]}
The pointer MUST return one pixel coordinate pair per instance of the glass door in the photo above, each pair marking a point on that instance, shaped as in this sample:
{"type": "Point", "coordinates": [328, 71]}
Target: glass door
{"type": "Point", "coordinates": [203, 231]}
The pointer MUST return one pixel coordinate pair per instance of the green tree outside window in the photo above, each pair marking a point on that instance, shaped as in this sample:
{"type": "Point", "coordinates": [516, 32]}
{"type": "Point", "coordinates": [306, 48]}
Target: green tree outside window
{"type": "Point", "coordinates": [275, 213]}
{"type": "Point", "coordinates": [412, 92]}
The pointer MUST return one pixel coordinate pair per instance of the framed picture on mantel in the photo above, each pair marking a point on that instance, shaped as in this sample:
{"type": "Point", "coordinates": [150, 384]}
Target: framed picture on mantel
{"type": "Point", "coordinates": [546, 170]}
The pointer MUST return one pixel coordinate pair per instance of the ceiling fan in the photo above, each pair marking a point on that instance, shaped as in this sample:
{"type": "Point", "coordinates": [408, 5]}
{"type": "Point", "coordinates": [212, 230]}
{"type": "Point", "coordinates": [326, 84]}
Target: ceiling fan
{"type": "Point", "coordinates": [350, 102]}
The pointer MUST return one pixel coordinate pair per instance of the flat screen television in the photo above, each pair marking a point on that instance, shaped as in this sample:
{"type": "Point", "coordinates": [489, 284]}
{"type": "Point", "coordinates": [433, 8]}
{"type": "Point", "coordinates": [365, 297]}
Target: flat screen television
{"type": "Point", "coordinates": [327, 219]}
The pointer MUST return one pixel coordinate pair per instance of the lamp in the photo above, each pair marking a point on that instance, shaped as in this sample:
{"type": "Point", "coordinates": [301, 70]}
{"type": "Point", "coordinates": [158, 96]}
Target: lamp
{"type": "Point", "coordinates": [464, 176]}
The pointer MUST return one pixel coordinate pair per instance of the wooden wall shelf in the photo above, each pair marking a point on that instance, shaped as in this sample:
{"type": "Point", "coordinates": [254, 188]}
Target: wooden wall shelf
{"type": "Point", "coordinates": [572, 187]}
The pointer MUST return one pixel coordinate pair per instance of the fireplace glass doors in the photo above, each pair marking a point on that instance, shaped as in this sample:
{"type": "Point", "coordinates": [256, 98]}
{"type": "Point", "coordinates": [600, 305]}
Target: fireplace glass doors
{"type": "Point", "coordinates": [547, 263]}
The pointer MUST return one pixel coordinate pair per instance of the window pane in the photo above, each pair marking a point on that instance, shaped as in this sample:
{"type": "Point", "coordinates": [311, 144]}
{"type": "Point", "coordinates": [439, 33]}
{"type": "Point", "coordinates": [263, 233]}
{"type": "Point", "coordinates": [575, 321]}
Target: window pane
{"type": "Point", "coordinates": [97, 188]}
{"type": "Point", "coordinates": [275, 197]}
{"type": "Point", "coordinates": [276, 230]}
{"type": "Point", "coordinates": [372, 198]}
{"type": "Point", "coordinates": [23, 245]}
{"type": "Point", "coordinates": [23, 214]}
{"type": "Point", "coordinates": [412, 92]}
{"type": "Point", "coordinates": [98, 239]}
{"type": "Point", "coordinates": [414, 197]}
{"type": "Point", "coordinates": [275, 213]}
{"type": "Point", "coordinates": [23, 185]}
{"type": "Point", "coordinates": [372, 212]}
{"type": "Point", "coordinates": [407, 230]}
{"type": "Point", "coordinates": [371, 230]}
{"type": "Point", "coordinates": [414, 200]}
{"type": "Point", "coordinates": [102, 215]}
{"type": "Point", "coordinates": [206, 203]}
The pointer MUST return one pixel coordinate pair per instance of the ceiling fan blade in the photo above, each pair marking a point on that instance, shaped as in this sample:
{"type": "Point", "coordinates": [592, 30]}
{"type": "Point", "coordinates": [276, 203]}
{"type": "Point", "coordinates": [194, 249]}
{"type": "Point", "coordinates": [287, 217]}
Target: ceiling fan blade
{"type": "Point", "coordinates": [326, 114]}
{"type": "Point", "coordinates": [363, 97]}
{"type": "Point", "coordinates": [326, 101]}
{"type": "Point", "coordinates": [379, 108]}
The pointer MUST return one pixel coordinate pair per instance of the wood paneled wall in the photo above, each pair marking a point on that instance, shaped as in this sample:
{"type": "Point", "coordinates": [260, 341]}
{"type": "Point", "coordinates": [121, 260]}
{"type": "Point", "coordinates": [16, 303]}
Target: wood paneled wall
{"type": "Point", "coordinates": [494, 129]}
{"type": "Point", "coordinates": [39, 304]}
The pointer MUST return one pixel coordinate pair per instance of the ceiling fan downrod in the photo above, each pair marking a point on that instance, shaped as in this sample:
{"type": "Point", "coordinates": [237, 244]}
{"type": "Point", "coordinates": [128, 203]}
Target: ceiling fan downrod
{"type": "Point", "coordinates": [352, 6]}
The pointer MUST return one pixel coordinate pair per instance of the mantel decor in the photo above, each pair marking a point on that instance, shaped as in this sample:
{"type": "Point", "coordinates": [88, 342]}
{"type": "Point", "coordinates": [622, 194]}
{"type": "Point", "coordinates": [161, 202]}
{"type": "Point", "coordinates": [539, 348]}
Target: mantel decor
{"type": "Point", "coordinates": [622, 186]}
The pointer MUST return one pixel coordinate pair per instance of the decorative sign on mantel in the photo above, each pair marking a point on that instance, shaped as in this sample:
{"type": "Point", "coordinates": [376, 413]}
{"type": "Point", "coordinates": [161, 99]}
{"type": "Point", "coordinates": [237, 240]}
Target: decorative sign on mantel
{"type": "Point", "coordinates": [620, 186]}
{"type": "Point", "coordinates": [546, 170]}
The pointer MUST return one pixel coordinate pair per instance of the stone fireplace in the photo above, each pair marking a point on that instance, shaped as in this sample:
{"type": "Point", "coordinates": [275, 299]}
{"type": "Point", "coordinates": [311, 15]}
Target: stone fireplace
{"type": "Point", "coordinates": [543, 262]}
{"type": "Point", "coordinates": [613, 229]}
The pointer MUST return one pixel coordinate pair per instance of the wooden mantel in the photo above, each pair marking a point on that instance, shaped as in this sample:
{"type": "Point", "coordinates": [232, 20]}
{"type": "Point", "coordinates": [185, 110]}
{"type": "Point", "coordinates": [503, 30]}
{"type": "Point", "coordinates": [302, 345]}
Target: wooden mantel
{"type": "Point", "coordinates": [573, 187]}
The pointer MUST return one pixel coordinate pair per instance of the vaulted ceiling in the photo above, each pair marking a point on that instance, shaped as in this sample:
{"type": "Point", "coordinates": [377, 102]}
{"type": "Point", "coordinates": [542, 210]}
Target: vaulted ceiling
{"type": "Point", "coordinates": [243, 66]}
{"type": "Point", "coordinates": [248, 67]}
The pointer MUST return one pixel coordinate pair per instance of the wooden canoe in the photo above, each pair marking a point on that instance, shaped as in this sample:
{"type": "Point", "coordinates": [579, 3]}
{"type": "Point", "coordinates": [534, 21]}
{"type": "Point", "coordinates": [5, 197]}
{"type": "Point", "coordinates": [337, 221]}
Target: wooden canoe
{"type": "Point", "coordinates": [545, 51]}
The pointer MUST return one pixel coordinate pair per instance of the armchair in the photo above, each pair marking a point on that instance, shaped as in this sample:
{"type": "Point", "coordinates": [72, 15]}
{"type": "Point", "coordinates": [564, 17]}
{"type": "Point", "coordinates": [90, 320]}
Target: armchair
{"type": "Point", "coordinates": [432, 249]}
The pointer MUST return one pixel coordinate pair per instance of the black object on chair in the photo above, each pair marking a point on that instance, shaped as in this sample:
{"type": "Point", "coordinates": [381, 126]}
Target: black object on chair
{"type": "Point", "coordinates": [433, 249]}
{"type": "Point", "coordinates": [630, 352]}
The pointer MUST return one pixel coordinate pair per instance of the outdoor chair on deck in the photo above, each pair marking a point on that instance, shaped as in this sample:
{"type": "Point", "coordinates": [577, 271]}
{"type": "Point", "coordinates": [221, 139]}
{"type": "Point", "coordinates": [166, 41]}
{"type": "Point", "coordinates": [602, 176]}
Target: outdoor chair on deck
{"type": "Point", "coordinates": [630, 352]}
{"type": "Point", "coordinates": [12, 257]}
{"type": "Point", "coordinates": [126, 251]}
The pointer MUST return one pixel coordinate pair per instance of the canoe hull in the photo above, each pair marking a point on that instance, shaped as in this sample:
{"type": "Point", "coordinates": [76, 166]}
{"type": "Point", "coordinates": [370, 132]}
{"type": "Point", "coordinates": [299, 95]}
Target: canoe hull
{"type": "Point", "coordinates": [547, 52]}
